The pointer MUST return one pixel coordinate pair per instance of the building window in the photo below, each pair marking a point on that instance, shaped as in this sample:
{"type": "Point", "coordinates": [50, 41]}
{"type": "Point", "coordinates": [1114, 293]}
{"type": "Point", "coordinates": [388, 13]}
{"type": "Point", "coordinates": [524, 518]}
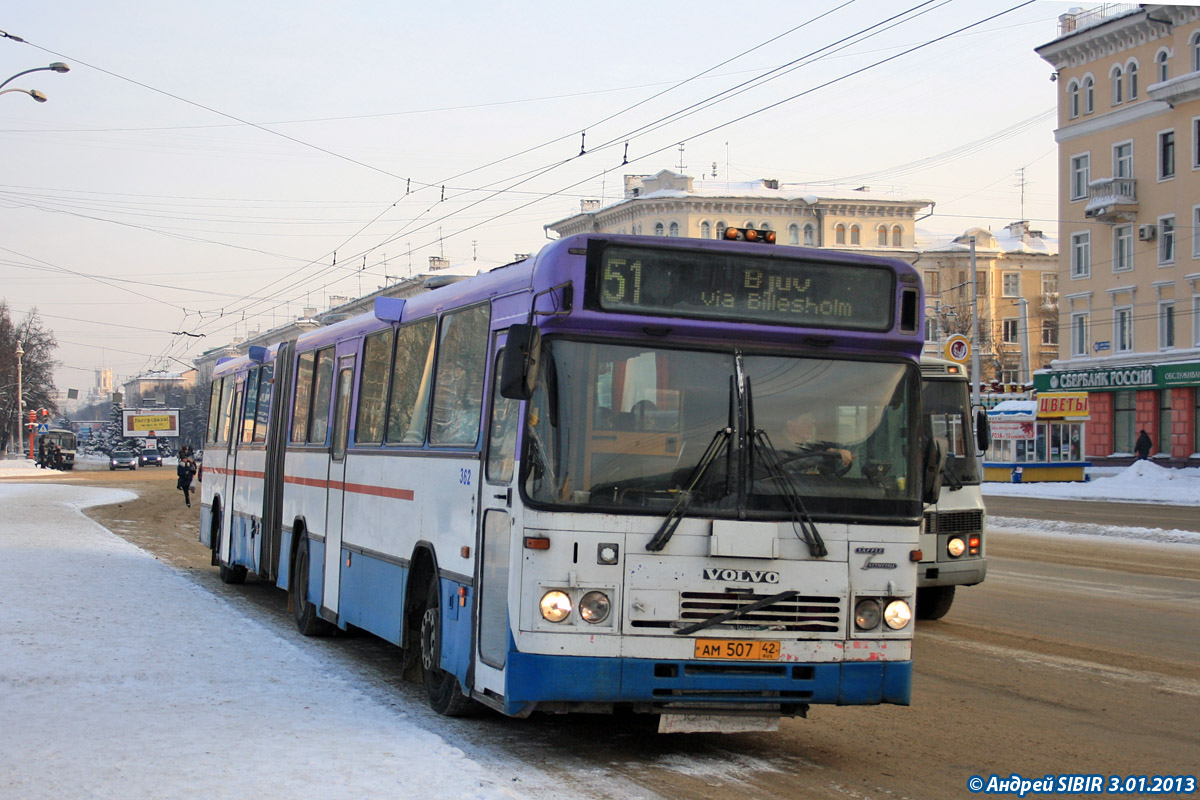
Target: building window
{"type": "Point", "coordinates": [1166, 325]}
{"type": "Point", "coordinates": [793, 234]}
{"type": "Point", "coordinates": [1118, 85]}
{"type": "Point", "coordinates": [839, 234]}
{"type": "Point", "coordinates": [1123, 329]}
{"type": "Point", "coordinates": [1160, 63]}
{"type": "Point", "coordinates": [1081, 175]}
{"type": "Point", "coordinates": [1049, 283]}
{"type": "Point", "coordinates": [1194, 43]}
{"type": "Point", "coordinates": [1196, 143]}
{"type": "Point", "coordinates": [1079, 334]}
{"type": "Point", "coordinates": [881, 235]}
{"type": "Point", "coordinates": [933, 284]}
{"type": "Point", "coordinates": [1131, 79]}
{"type": "Point", "coordinates": [721, 229]}
{"type": "Point", "coordinates": [1166, 240]}
{"type": "Point", "coordinates": [674, 230]}
{"type": "Point", "coordinates": [1124, 418]}
{"type": "Point", "coordinates": [1081, 255]}
{"type": "Point", "coordinates": [1073, 99]}
{"type": "Point", "coordinates": [810, 235]}
{"type": "Point", "coordinates": [855, 235]}
{"type": "Point", "coordinates": [897, 236]}
{"type": "Point", "coordinates": [658, 229]}
{"type": "Point", "coordinates": [1010, 332]}
{"type": "Point", "coordinates": [1123, 160]}
{"type": "Point", "coordinates": [750, 225]}
{"type": "Point", "coordinates": [1195, 231]}
{"type": "Point", "coordinates": [1122, 248]}
{"type": "Point", "coordinates": [1166, 155]}
{"type": "Point", "coordinates": [1011, 285]}
{"type": "Point", "coordinates": [1196, 327]}
{"type": "Point", "coordinates": [705, 230]}
{"type": "Point", "coordinates": [1049, 332]}
{"type": "Point", "coordinates": [984, 279]}
{"type": "Point", "coordinates": [931, 329]}
{"type": "Point", "coordinates": [1089, 95]}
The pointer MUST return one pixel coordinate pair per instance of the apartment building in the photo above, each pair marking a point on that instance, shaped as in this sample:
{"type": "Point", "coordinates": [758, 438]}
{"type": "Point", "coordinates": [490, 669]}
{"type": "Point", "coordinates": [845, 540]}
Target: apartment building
{"type": "Point", "coordinates": [1127, 79]}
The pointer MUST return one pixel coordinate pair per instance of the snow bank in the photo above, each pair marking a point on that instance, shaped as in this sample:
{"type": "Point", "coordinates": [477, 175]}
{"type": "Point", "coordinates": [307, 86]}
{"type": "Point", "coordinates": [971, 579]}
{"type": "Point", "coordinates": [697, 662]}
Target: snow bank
{"type": "Point", "coordinates": [1140, 482]}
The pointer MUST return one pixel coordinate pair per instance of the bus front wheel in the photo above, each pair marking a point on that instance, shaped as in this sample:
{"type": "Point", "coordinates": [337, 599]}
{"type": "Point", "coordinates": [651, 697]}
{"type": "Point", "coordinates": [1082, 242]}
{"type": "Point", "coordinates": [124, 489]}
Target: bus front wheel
{"type": "Point", "coordinates": [933, 602]}
{"type": "Point", "coordinates": [445, 693]}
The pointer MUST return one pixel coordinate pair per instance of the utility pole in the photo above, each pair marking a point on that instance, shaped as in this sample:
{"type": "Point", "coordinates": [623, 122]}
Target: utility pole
{"type": "Point", "coordinates": [1026, 366]}
{"type": "Point", "coordinates": [20, 399]}
{"type": "Point", "coordinates": [974, 331]}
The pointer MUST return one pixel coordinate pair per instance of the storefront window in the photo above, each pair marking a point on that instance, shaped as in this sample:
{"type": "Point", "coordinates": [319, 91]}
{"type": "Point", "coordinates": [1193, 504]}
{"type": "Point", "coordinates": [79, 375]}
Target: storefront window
{"type": "Point", "coordinates": [1163, 445]}
{"type": "Point", "coordinates": [1124, 417]}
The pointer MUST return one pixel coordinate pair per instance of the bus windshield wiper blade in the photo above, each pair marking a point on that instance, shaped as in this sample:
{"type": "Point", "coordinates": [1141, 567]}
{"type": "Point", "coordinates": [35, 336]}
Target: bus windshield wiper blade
{"type": "Point", "coordinates": [719, 442]}
{"type": "Point", "coordinates": [770, 459]}
{"type": "Point", "coordinates": [950, 478]}
{"type": "Point", "coordinates": [738, 612]}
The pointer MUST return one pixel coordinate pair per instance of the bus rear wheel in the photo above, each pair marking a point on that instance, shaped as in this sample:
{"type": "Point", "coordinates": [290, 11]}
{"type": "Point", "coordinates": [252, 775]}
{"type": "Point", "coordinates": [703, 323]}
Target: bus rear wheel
{"type": "Point", "coordinates": [933, 602]}
{"type": "Point", "coordinates": [444, 690]}
{"type": "Point", "coordinates": [233, 574]}
{"type": "Point", "coordinates": [308, 620]}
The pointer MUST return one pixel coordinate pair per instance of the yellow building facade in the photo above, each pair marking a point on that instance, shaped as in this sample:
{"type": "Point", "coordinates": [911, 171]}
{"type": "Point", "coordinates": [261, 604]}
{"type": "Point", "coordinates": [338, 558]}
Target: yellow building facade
{"type": "Point", "coordinates": [1127, 79]}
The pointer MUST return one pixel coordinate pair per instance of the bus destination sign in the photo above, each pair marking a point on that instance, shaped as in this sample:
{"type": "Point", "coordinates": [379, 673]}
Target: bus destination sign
{"type": "Point", "coordinates": [720, 285]}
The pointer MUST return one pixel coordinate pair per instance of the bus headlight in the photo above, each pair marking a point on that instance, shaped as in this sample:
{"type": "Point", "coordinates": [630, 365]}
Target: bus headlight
{"type": "Point", "coordinates": [897, 615]}
{"type": "Point", "coordinates": [956, 547]}
{"type": "Point", "coordinates": [556, 606]}
{"type": "Point", "coordinates": [866, 615]}
{"type": "Point", "coordinates": [594, 607]}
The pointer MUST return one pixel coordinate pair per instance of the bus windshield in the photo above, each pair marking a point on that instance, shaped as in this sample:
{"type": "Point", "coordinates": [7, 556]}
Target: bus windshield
{"type": "Point", "coordinates": [624, 428]}
{"type": "Point", "coordinates": [946, 406]}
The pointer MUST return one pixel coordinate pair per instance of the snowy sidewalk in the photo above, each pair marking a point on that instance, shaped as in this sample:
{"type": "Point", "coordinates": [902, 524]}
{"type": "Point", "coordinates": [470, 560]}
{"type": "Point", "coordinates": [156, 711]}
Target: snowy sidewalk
{"type": "Point", "coordinates": [121, 679]}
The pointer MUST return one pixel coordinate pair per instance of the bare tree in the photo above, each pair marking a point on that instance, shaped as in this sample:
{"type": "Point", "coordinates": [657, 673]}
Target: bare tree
{"type": "Point", "coordinates": [37, 367]}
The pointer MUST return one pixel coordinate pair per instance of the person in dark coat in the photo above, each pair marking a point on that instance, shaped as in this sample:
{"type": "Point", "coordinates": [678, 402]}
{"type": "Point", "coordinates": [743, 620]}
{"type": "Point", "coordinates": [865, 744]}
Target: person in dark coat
{"type": "Point", "coordinates": [1143, 445]}
{"type": "Point", "coordinates": [186, 471]}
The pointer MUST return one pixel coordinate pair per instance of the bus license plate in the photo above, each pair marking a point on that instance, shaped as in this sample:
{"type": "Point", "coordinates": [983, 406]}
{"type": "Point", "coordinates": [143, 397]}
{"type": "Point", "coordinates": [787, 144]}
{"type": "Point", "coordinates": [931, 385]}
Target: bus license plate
{"type": "Point", "coordinates": [734, 650]}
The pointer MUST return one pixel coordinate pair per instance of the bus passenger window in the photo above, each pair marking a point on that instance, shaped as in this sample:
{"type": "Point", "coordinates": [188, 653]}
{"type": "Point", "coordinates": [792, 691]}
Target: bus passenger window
{"type": "Point", "coordinates": [318, 423]}
{"type": "Point", "coordinates": [411, 378]}
{"type": "Point", "coordinates": [372, 395]}
{"type": "Point", "coordinates": [502, 439]}
{"type": "Point", "coordinates": [304, 380]}
{"type": "Point", "coordinates": [458, 388]}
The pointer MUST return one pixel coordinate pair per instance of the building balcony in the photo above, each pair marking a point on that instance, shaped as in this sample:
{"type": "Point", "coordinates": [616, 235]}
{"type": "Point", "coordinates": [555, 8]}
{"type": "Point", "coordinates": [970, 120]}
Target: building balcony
{"type": "Point", "coordinates": [1112, 200]}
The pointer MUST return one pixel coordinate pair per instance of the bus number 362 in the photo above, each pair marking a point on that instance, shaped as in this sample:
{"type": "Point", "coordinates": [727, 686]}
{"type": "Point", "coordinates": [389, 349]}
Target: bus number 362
{"type": "Point", "coordinates": [464, 477]}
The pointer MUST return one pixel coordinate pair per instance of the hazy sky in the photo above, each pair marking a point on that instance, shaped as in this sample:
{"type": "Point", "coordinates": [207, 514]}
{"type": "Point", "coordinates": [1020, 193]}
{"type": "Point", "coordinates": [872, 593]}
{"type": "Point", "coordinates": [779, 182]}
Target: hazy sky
{"type": "Point", "coordinates": [201, 163]}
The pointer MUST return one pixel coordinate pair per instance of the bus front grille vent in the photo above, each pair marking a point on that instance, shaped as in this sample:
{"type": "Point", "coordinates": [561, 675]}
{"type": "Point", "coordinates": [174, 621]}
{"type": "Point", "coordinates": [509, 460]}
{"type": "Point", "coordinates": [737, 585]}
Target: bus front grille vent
{"type": "Point", "coordinates": [801, 613]}
{"type": "Point", "coordinates": [954, 522]}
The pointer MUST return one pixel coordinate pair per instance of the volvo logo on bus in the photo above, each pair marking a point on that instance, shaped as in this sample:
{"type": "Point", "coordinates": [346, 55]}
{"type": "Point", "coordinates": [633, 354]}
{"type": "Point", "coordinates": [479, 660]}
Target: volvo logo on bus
{"type": "Point", "coordinates": [870, 562]}
{"type": "Point", "coordinates": [752, 575]}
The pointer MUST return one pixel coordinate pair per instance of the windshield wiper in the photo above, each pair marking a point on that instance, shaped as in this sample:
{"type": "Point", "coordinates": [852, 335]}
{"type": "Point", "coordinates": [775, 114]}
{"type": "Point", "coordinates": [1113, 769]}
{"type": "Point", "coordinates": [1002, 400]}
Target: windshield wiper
{"type": "Point", "coordinates": [769, 457]}
{"type": "Point", "coordinates": [720, 441]}
{"type": "Point", "coordinates": [950, 478]}
{"type": "Point", "coordinates": [738, 612]}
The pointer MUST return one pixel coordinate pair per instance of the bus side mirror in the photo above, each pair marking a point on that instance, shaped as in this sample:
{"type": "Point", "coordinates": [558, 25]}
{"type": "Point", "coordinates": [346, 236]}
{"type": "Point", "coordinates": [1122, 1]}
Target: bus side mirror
{"type": "Point", "coordinates": [518, 370]}
{"type": "Point", "coordinates": [983, 433]}
{"type": "Point", "coordinates": [935, 461]}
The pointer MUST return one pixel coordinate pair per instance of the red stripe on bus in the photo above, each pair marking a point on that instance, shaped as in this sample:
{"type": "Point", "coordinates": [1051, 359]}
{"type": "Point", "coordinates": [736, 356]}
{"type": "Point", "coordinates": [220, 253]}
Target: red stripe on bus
{"type": "Point", "coordinates": [321, 483]}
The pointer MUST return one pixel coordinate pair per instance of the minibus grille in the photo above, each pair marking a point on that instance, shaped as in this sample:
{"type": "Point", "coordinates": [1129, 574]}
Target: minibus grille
{"type": "Point", "coordinates": [954, 521]}
{"type": "Point", "coordinates": [804, 613]}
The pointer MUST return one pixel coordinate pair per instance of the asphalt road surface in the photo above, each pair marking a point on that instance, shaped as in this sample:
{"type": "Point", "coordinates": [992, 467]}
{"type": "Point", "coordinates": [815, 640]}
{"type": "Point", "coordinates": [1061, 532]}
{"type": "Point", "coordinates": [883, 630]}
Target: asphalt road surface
{"type": "Point", "coordinates": [1128, 515]}
{"type": "Point", "coordinates": [1072, 658]}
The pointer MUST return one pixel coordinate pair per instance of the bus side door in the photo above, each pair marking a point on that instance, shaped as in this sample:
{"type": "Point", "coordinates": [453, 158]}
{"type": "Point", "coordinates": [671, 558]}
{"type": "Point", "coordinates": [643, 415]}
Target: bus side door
{"type": "Point", "coordinates": [496, 534]}
{"type": "Point", "coordinates": [228, 518]}
{"type": "Point", "coordinates": [343, 390]}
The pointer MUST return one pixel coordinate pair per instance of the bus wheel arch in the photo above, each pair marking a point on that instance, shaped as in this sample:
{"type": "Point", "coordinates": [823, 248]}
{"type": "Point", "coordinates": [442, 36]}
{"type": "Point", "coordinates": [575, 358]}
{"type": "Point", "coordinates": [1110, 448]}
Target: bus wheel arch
{"type": "Point", "coordinates": [445, 693]}
{"type": "Point", "coordinates": [933, 602]}
{"type": "Point", "coordinates": [214, 532]}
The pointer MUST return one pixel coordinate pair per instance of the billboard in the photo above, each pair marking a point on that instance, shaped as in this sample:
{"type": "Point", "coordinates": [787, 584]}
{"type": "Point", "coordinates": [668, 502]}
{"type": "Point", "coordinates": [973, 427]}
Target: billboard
{"type": "Point", "coordinates": [141, 423]}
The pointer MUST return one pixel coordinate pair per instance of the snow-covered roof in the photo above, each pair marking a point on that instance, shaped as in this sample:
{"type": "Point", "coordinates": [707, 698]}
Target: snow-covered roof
{"type": "Point", "coordinates": [1015, 409]}
{"type": "Point", "coordinates": [1007, 240]}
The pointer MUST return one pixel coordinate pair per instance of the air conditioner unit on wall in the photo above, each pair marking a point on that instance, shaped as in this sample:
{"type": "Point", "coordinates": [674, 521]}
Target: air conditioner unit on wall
{"type": "Point", "coordinates": [1147, 232]}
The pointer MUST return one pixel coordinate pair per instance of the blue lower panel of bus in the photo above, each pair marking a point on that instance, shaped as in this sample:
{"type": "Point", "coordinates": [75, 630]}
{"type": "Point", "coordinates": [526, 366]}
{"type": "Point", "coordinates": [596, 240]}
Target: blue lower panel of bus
{"type": "Point", "coordinates": [540, 678]}
{"type": "Point", "coordinates": [372, 595]}
{"type": "Point", "coordinates": [243, 542]}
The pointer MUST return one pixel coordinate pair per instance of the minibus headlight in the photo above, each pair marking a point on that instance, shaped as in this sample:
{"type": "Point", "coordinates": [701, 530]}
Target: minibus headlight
{"type": "Point", "coordinates": [897, 615]}
{"type": "Point", "coordinates": [594, 607]}
{"type": "Point", "coordinates": [556, 606]}
{"type": "Point", "coordinates": [866, 615]}
{"type": "Point", "coordinates": [956, 547]}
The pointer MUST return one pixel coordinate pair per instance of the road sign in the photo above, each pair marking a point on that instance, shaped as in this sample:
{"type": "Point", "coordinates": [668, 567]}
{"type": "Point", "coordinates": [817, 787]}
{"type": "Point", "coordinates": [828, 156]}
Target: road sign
{"type": "Point", "coordinates": [43, 428]}
{"type": "Point", "coordinates": [957, 348]}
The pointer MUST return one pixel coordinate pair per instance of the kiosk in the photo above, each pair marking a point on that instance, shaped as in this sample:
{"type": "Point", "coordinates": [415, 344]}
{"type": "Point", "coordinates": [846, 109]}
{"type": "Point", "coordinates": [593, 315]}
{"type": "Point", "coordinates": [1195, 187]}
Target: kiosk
{"type": "Point", "coordinates": [1037, 440]}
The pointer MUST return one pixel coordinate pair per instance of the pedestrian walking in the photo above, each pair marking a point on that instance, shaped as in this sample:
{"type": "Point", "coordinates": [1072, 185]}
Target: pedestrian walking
{"type": "Point", "coordinates": [186, 471]}
{"type": "Point", "coordinates": [1143, 445]}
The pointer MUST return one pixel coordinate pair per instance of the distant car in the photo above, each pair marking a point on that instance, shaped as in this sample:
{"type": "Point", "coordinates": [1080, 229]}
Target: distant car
{"type": "Point", "coordinates": [150, 456]}
{"type": "Point", "coordinates": [122, 459]}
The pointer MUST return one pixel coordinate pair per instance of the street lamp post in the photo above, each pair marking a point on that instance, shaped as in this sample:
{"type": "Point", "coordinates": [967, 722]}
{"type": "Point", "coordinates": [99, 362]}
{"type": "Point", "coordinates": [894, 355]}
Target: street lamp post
{"type": "Point", "coordinates": [57, 66]}
{"type": "Point", "coordinates": [20, 398]}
